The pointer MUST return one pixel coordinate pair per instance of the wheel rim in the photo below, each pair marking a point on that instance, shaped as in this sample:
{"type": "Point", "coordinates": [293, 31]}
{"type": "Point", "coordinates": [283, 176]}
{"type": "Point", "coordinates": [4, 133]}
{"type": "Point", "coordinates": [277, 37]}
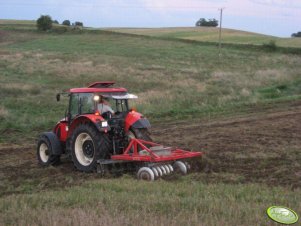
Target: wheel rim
{"type": "Point", "coordinates": [84, 149]}
{"type": "Point", "coordinates": [44, 153]}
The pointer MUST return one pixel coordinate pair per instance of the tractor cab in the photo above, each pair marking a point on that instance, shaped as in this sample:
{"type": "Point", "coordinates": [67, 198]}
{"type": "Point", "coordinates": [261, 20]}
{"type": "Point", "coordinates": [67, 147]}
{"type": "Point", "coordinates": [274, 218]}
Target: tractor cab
{"type": "Point", "coordinates": [105, 104]}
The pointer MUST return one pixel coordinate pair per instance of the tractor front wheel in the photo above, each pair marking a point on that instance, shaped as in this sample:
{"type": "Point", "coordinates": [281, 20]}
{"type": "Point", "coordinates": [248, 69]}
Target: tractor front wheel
{"type": "Point", "coordinates": [88, 146]}
{"type": "Point", "coordinates": [45, 153]}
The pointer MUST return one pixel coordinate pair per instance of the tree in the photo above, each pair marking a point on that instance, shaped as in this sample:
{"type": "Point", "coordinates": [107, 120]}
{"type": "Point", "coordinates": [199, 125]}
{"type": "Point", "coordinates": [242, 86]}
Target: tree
{"type": "Point", "coordinates": [297, 35]}
{"type": "Point", "coordinates": [55, 22]}
{"type": "Point", "coordinates": [80, 24]}
{"type": "Point", "coordinates": [44, 23]}
{"type": "Point", "coordinates": [206, 23]}
{"type": "Point", "coordinates": [66, 23]}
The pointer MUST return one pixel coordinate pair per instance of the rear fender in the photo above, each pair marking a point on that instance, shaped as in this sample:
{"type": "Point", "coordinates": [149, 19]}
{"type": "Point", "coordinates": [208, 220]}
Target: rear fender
{"type": "Point", "coordinates": [136, 121]}
{"type": "Point", "coordinates": [61, 130]}
{"type": "Point", "coordinates": [94, 119]}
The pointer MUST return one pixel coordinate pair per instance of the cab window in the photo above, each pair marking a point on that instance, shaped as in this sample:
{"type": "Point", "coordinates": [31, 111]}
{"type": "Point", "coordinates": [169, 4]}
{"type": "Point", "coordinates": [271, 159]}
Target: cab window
{"type": "Point", "coordinates": [81, 103]}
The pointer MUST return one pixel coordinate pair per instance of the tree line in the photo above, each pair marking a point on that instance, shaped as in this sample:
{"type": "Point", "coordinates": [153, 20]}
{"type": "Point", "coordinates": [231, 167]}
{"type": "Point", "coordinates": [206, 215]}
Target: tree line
{"type": "Point", "coordinates": [202, 22]}
{"type": "Point", "coordinates": [45, 22]}
{"type": "Point", "coordinates": [297, 35]}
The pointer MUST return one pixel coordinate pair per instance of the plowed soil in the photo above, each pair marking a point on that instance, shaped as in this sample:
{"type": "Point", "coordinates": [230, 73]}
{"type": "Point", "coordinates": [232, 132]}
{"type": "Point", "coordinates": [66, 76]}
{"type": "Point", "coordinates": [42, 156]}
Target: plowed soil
{"type": "Point", "coordinates": [263, 146]}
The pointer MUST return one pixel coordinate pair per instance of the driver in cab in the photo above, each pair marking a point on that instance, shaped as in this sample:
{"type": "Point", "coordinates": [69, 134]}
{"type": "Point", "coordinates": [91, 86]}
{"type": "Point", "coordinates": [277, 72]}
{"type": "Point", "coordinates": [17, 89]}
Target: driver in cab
{"type": "Point", "coordinates": [104, 106]}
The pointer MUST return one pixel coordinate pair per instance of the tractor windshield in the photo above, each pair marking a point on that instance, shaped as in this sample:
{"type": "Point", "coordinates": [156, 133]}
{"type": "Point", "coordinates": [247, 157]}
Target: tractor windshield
{"type": "Point", "coordinates": [88, 103]}
{"type": "Point", "coordinates": [118, 102]}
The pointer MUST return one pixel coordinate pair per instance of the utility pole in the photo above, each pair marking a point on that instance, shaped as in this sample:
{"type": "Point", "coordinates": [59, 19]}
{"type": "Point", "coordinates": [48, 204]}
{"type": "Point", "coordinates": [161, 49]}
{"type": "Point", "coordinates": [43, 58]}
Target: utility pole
{"type": "Point", "coordinates": [220, 31]}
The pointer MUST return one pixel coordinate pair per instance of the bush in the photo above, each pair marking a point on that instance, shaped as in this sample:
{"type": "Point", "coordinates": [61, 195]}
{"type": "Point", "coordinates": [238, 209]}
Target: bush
{"type": "Point", "coordinates": [271, 45]}
{"type": "Point", "coordinates": [66, 23]}
{"type": "Point", "coordinates": [55, 22]}
{"type": "Point", "coordinates": [44, 23]}
{"type": "Point", "coordinates": [59, 29]}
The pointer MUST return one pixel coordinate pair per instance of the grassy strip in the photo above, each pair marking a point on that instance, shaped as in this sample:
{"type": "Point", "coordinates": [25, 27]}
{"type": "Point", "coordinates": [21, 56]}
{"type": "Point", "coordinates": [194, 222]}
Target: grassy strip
{"type": "Point", "coordinates": [126, 202]}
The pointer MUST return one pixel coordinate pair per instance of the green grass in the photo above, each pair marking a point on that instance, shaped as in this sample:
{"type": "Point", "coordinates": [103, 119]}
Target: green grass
{"type": "Point", "coordinates": [173, 79]}
{"type": "Point", "coordinates": [123, 201]}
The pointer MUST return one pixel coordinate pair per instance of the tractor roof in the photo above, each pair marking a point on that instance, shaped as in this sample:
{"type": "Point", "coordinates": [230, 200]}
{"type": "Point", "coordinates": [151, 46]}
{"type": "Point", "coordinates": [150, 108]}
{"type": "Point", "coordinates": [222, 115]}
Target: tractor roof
{"type": "Point", "coordinates": [99, 87]}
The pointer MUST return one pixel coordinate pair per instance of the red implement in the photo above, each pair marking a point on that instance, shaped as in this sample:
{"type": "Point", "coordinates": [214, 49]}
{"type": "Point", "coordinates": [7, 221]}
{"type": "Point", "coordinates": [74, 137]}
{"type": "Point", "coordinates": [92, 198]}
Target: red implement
{"type": "Point", "coordinates": [146, 151]}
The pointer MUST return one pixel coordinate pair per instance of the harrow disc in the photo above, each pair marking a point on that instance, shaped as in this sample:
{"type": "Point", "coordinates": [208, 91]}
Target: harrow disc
{"type": "Point", "coordinates": [145, 173]}
{"type": "Point", "coordinates": [188, 166]}
{"type": "Point", "coordinates": [170, 168]}
{"type": "Point", "coordinates": [180, 167]}
{"type": "Point", "coordinates": [166, 169]}
{"type": "Point", "coordinates": [155, 172]}
{"type": "Point", "coordinates": [159, 171]}
{"type": "Point", "coordinates": [163, 170]}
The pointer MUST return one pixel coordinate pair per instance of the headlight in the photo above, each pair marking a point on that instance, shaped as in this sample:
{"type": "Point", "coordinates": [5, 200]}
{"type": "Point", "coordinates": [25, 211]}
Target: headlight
{"type": "Point", "coordinates": [104, 124]}
{"type": "Point", "coordinates": [96, 98]}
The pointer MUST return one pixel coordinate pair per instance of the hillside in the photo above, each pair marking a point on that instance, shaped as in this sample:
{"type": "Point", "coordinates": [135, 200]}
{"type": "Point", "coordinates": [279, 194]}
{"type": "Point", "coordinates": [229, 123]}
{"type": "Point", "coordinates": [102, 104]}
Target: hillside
{"type": "Point", "coordinates": [241, 109]}
{"type": "Point", "coordinates": [206, 34]}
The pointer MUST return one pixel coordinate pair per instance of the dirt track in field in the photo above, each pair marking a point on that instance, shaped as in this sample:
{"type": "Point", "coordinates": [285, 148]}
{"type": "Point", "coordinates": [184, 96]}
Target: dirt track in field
{"type": "Point", "coordinates": [263, 147]}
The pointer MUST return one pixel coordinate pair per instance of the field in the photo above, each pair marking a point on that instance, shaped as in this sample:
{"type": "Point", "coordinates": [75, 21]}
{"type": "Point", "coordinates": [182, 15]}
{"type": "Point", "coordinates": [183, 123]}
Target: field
{"type": "Point", "coordinates": [242, 109]}
{"type": "Point", "coordinates": [205, 34]}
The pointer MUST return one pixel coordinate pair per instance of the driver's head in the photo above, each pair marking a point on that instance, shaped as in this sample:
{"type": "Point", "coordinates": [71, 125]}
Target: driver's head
{"type": "Point", "coordinates": [104, 100]}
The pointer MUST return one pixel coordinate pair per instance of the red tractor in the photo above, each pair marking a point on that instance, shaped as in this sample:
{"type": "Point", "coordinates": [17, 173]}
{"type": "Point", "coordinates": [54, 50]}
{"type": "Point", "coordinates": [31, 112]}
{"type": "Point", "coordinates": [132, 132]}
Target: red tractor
{"type": "Point", "coordinates": [99, 128]}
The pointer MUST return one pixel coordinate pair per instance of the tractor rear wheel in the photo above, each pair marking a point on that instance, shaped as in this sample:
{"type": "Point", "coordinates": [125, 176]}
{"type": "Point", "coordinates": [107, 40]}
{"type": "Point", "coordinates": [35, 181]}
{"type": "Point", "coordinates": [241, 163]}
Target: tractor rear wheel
{"type": "Point", "coordinates": [87, 146]}
{"type": "Point", "coordinates": [45, 154]}
{"type": "Point", "coordinates": [142, 134]}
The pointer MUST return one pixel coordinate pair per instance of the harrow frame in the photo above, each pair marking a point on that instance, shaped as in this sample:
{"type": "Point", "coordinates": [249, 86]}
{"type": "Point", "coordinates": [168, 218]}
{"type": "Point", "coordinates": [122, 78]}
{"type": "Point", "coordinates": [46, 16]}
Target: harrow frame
{"type": "Point", "coordinates": [132, 152]}
{"type": "Point", "coordinates": [152, 159]}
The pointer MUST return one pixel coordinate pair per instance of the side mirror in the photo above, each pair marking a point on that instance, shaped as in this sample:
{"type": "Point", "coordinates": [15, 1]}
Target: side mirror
{"type": "Point", "coordinates": [58, 97]}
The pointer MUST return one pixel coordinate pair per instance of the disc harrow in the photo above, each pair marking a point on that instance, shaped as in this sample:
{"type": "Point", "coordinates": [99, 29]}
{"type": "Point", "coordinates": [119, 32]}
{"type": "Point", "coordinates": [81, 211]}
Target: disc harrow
{"type": "Point", "coordinates": [153, 160]}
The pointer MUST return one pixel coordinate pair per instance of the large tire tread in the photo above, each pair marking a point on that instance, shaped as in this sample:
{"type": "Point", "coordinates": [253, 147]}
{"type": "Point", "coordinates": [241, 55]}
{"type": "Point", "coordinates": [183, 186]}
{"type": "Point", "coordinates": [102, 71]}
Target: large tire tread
{"type": "Point", "coordinates": [142, 134]}
{"type": "Point", "coordinates": [101, 146]}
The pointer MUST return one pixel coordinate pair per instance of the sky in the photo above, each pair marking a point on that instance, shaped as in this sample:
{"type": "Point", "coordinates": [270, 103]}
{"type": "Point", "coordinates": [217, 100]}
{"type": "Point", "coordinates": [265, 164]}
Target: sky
{"type": "Point", "coordinates": [272, 17]}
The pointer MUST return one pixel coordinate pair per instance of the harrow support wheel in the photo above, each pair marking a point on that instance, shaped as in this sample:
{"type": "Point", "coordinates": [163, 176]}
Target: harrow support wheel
{"type": "Point", "coordinates": [145, 173]}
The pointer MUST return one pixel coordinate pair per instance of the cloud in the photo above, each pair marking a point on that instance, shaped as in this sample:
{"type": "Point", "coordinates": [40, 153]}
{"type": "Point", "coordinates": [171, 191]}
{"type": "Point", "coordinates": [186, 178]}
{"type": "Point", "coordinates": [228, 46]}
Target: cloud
{"type": "Point", "coordinates": [261, 8]}
{"type": "Point", "coordinates": [179, 5]}
{"type": "Point", "coordinates": [280, 3]}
